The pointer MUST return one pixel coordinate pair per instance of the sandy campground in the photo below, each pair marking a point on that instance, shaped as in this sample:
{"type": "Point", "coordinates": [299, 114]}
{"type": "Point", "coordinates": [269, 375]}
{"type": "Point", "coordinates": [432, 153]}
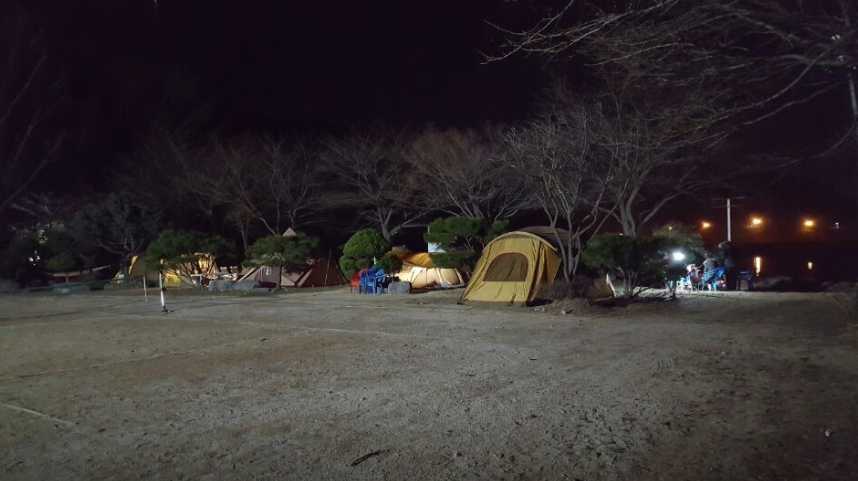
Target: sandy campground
{"type": "Point", "coordinates": [326, 385]}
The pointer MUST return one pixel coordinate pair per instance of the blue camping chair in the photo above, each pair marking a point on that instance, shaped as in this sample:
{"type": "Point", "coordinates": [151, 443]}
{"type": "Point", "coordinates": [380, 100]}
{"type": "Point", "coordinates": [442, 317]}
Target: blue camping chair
{"type": "Point", "coordinates": [372, 281]}
{"type": "Point", "coordinates": [713, 277]}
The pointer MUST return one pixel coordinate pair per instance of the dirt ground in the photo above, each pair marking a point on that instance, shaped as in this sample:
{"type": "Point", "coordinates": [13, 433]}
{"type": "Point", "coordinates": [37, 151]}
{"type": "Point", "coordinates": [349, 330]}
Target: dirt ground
{"type": "Point", "coordinates": [330, 386]}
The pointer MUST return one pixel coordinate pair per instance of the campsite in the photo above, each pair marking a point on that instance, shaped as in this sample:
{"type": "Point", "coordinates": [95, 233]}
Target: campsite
{"type": "Point", "coordinates": [521, 240]}
{"type": "Point", "coordinates": [328, 384]}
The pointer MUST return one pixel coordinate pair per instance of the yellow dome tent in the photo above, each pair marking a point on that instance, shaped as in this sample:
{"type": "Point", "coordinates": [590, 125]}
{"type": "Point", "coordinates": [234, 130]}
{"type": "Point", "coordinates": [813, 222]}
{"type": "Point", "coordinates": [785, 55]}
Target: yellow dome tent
{"type": "Point", "coordinates": [513, 268]}
{"type": "Point", "coordinates": [419, 270]}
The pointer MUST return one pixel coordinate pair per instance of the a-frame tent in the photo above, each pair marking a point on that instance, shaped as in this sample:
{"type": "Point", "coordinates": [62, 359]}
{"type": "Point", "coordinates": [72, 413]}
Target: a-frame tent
{"type": "Point", "coordinates": [317, 272]}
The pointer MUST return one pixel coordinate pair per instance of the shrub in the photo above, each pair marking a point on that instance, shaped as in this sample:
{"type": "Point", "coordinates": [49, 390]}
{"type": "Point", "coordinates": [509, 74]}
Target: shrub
{"type": "Point", "coordinates": [638, 261]}
{"type": "Point", "coordinates": [462, 239]}
{"type": "Point", "coordinates": [62, 262]}
{"type": "Point", "coordinates": [281, 251]}
{"type": "Point", "coordinates": [390, 262]}
{"type": "Point", "coordinates": [20, 260]}
{"type": "Point", "coordinates": [186, 252]}
{"type": "Point", "coordinates": [365, 247]}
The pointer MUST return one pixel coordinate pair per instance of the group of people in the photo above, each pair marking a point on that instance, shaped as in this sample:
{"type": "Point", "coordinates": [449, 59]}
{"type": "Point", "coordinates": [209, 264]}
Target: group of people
{"type": "Point", "coordinates": [716, 273]}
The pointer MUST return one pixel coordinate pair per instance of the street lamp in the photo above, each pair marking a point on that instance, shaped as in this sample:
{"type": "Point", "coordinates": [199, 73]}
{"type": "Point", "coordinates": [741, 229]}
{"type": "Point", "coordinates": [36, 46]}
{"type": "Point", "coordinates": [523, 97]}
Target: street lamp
{"type": "Point", "coordinates": [809, 223]}
{"type": "Point", "coordinates": [756, 221]}
{"type": "Point", "coordinates": [705, 225]}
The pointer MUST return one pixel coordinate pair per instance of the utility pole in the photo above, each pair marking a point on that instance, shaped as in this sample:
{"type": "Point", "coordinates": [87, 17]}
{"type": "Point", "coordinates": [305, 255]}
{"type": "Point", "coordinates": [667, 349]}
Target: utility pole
{"type": "Point", "coordinates": [729, 203]}
{"type": "Point", "coordinates": [729, 220]}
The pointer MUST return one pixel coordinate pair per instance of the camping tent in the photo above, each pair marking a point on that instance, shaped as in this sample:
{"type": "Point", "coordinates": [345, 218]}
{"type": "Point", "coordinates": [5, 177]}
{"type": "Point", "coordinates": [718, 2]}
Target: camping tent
{"type": "Point", "coordinates": [419, 270]}
{"type": "Point", "coordinates": [319, 272]}
{"type": "Point", "coordinates": [512, 269]}
{"type": "Point", "coordinates": [137, 271]}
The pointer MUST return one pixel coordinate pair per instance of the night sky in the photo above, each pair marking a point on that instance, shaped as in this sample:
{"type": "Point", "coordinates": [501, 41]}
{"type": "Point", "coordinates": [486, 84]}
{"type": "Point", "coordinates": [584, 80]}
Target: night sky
{"type": "Point", "coordinates": [321, 67]}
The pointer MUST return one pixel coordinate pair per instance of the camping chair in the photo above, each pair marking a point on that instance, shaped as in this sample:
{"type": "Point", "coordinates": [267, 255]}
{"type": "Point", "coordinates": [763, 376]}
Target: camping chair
{"type": "Point", "coordinates": [746, 277]}
{"type": "Point", "coordinates": [691, 281]}
{"type": "Point", "coordinates": [712, 278]}
{"type": "Point", "coordinates": [355, 283]}
{"type": "Point", "coordinates": [372, 281]}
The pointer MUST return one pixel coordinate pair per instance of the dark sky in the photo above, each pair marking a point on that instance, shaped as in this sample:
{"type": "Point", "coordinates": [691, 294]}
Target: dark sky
{"type": "Point", "coordinates": [282, 66]}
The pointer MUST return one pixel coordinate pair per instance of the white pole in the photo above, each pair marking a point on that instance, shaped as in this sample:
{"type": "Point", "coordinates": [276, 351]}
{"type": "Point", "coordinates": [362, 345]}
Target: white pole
{"type": "Point", "coordinates": [163, 292]}
{"type": "Point", "coordinates": [729, 221]}
{"type": "Point", "coordinates": [145, 290]}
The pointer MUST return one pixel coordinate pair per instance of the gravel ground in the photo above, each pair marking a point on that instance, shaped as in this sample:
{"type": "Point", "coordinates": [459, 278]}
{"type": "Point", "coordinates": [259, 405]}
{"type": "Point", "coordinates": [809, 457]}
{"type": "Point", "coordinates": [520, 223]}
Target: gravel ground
{"type": "Point", "coordinates": [326, 385]}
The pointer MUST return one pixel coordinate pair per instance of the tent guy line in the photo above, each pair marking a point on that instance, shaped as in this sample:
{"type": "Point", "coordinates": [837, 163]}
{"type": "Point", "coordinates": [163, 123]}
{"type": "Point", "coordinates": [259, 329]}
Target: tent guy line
{"type": "Point", "coordinates": [37, 414]}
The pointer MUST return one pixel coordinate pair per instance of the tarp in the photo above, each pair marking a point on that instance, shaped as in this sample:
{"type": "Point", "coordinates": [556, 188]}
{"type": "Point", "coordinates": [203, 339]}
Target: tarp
{"type": "Point", "coordinates": [513, 268]}
{"type": "Point", "coordinates": [419, 270]}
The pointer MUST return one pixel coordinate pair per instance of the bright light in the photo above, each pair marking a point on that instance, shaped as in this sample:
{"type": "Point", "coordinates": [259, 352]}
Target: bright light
{"type": "Point", "coordinates": [705, 225]}
{"type": "Point", "coordinates": [810, 265]}
{"type": "Point", "coordinates": [756, 221]}
{"type": "Point", "coordinates": [677, 256]}
{"type": "Point", "coordinates": [758, 265]}
{"type": "Point", "coordinates": [809, 223]}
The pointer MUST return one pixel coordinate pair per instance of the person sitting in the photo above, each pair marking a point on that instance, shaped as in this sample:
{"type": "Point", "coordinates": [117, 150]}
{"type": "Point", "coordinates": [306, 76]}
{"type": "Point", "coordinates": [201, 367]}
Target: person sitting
{"type": "Point", "coordinates": [693, 277]}
{"type": "Point", "coordinates": [711, 274]}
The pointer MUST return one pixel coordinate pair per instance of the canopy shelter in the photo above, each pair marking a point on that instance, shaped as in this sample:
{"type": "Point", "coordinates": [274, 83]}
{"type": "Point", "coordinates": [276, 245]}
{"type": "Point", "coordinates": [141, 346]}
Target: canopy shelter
{"type": "Point", "coordinates": [419, 270]}
{"type": "Point", "coordinates": [513, 268]}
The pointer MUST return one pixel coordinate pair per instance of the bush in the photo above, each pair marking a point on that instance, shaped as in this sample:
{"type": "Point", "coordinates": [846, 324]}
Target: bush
{"type": "Point", "coordinates": [390, 262]}
{"type": "Point", "coordinates": [62, 262]}
{"type": "Point", "coordinates": [183, 251]}
{"type": "Point", "coordinates": [683, 238]}
{"type": "Point", "coordinates": [281, 251]}
{"type": "Point", "coordinates": [638, 261]}
{"type": "Point", "coordinates": [61, 251]}
{"type": "Point", "coordinates": [20, 261]}
{"type": "Point", "coordinates": [365, 247]}
{"type": "Point", "coordinates": [462, 239]}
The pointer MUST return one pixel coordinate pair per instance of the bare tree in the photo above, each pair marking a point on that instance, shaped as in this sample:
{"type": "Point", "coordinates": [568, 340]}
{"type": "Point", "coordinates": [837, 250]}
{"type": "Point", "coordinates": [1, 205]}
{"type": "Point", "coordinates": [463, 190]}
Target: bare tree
{"type": "Point", "coordinates": [656, 158]}
{"type": "Point", "coordinates": [465, 173]}
{"type": "Point", "coordinates": [27, 99]}
{"type": "Point", "coordinates": [570, 184]}
{"type": "Point", "coordinates": [756, 57]}
{"type": "Point", "coordinates": [378, 182]}
{"type": "Point", "coordinates": [154, 174]}
{"type": "Point", "coordinates": [119, 225]}
{"type": "Point", "coordinates": [272, 181]}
